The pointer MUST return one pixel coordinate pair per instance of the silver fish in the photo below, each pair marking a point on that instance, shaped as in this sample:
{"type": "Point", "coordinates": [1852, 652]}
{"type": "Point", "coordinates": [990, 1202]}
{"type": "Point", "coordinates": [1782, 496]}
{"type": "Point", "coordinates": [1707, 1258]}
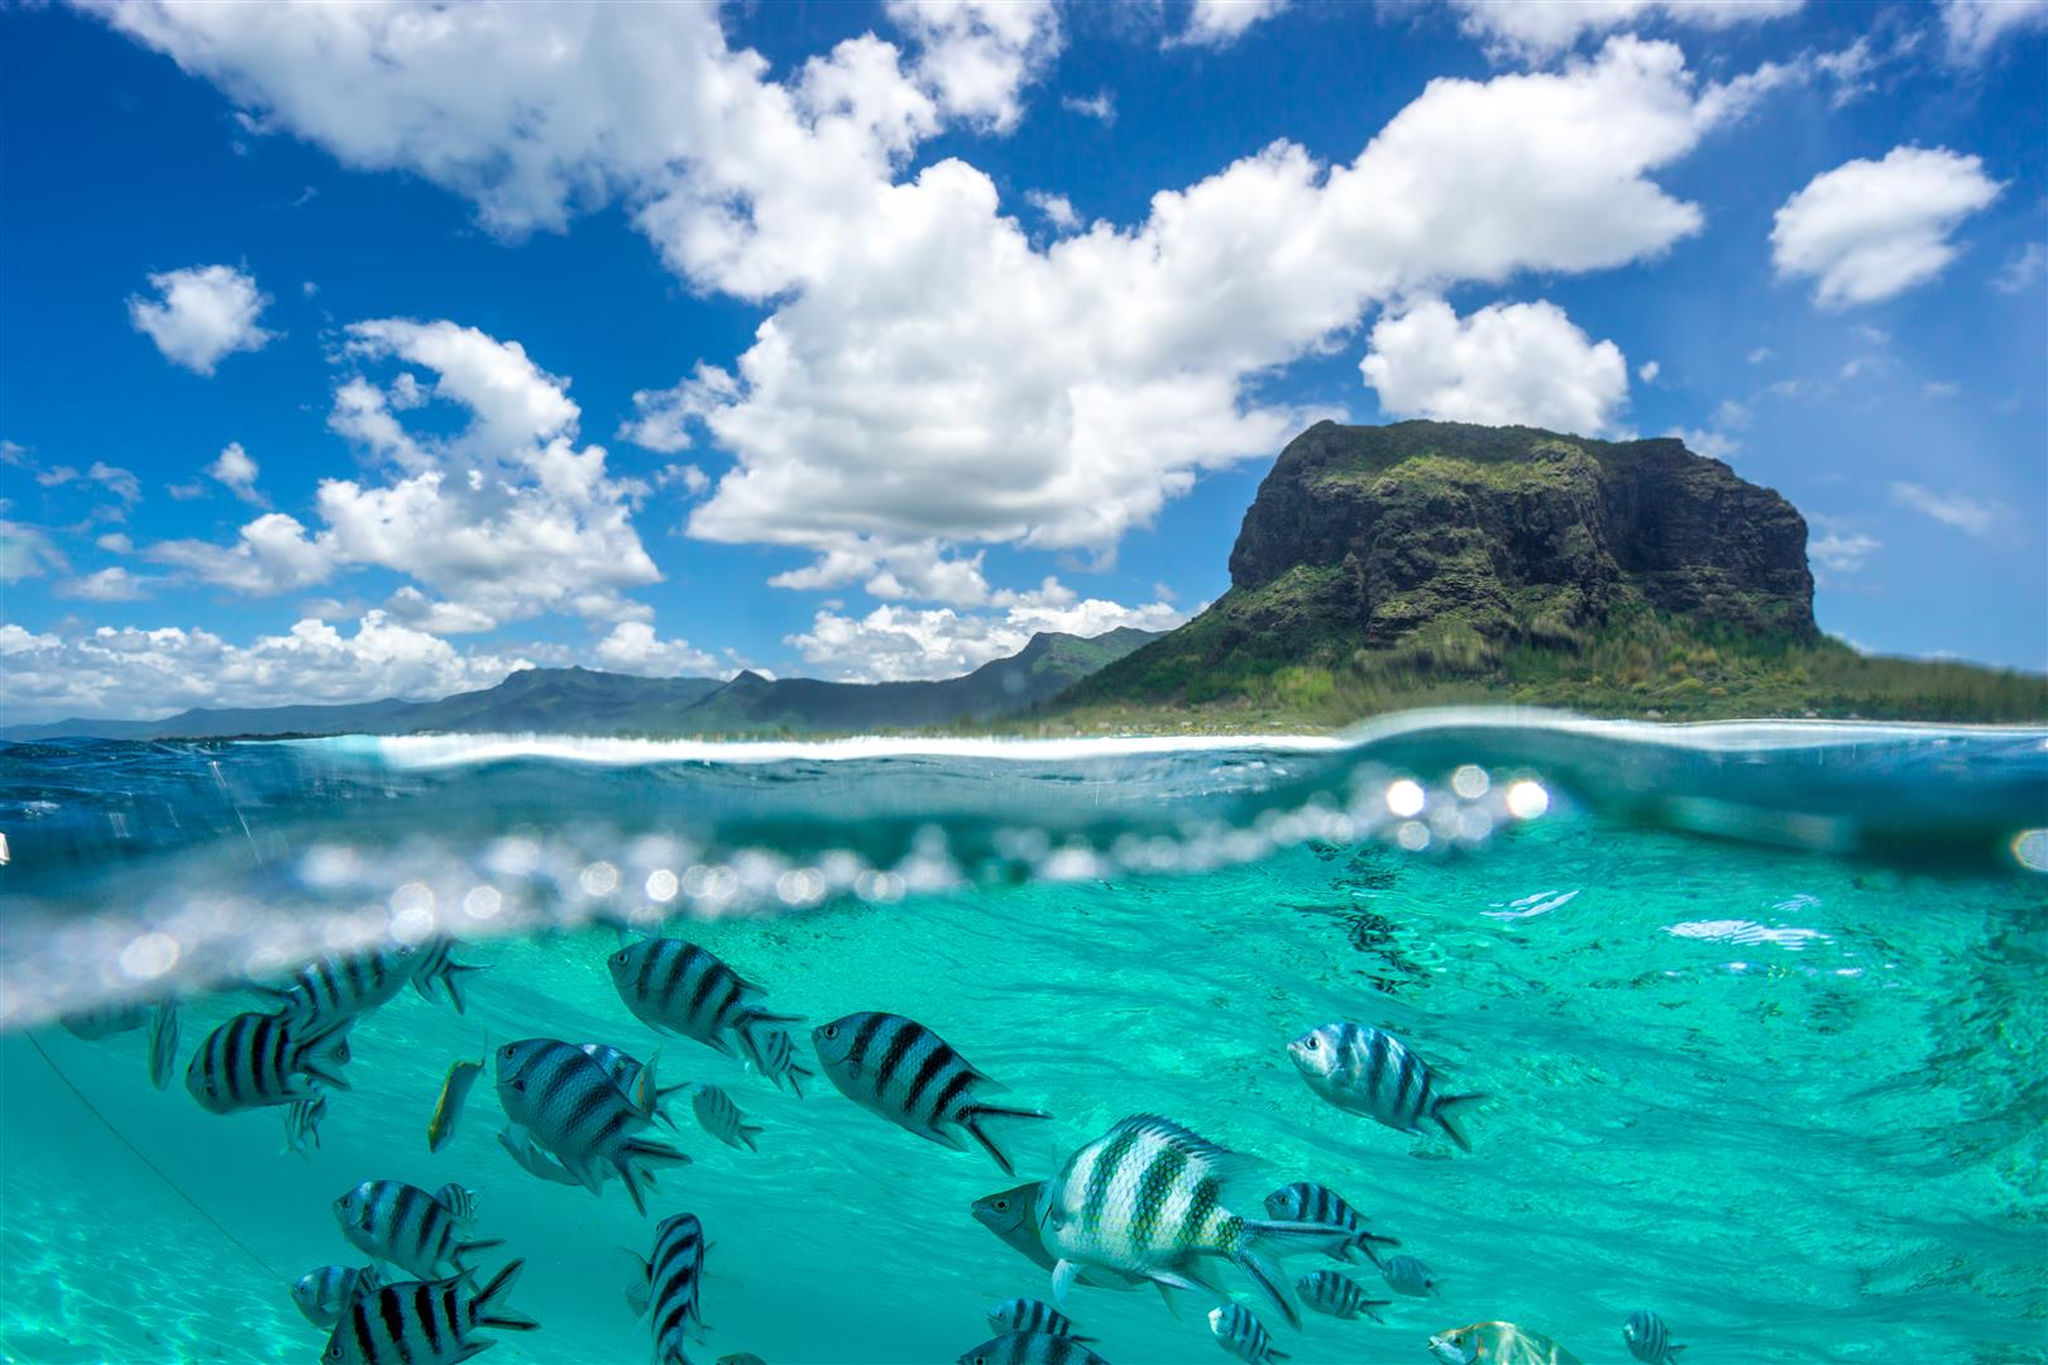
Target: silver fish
{"type": "Point", "coordinates": [405, 1226]}
{"type": "Point", "coordinates": [1146, 1199]}
{"type": "Point", "coordinates": [666, 1285]}
{"type": "Point", "coordinates": [1648, 1338]}
{"type": "Point", "coordinates": [772, 1053]}
{"type": "Point", "coordinates": [722, 1118]}
{"type": "Point", "coordinates": [1307, 1202]}
{"type": "Point", "coordinates": [423, 1322]}
{"type": "Point", "coordinates": [302, 1125]}
{"type": "Point", "coordinates": [1011, 1215]}
{"type": "Point", "coordinates": [577, 1114]}
{"type": "Point", "coordinates": [462, 1074]}
{"type": "Point", "coordinates": [677, 987]}
{"type": "Point", "coordinates": [1030, 1348]}
{"type": "Point", "coordinates": [1367, 1071]}
{"type": "Point", "coordinates": [1242, 1334]}
{"type": "Point", "coordinates": [1031, 1315]}
{"type": "Point", "coordinates": [1328, 1291]}
{"type": "Point", "coordinates": [322, 1294]}
{"type": "Point", "coordinates": [901, 1070]}
{"type": "Point", "coordinates": [163, 1045]}
{"type": "Point", "coordinates": [255, 1060]}
{"type": "Point", "coordinates": [1407, 1275]}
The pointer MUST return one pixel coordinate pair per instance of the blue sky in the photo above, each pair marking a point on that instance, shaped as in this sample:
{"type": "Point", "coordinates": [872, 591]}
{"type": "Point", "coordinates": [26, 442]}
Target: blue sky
{"type": "Point", "coordinates": [347, 354]}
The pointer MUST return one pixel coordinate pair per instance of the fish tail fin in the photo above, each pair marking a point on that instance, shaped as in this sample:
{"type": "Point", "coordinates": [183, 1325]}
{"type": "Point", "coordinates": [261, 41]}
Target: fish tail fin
{"type": "Point", "coordinates": [747, 1132]}
{"type": "Point", "coordinates": [486, 1310]}
{"type": "Point", "coordinates": [973, 1114]}
{"type": "Point", "coordinates": [463, 1249]}
{"type": "Point", "coordinates": [1269, 1281]}
{"type": "Point", "coordinates": [795, 1087]}
{"type": "Point", "coordinates": [1259, 1242]}
{"type": "Point", "coordinates": [323, 1054]}
{"type": "Point", "coordinates": [1365, 1244]}
{"type": "Point", "coordinates": [452, 979]}
{"type": "Point", "coordinates": [639, 1150]}
{"type": "Point", "coordinates": [1371, 1308]}
{"type": "Point", "coordinates": [1443, 1120]}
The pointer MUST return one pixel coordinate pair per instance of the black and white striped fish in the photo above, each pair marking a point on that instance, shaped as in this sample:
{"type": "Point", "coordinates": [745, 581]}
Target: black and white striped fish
{"type": "Point", "coordinates": [1649, 1340]}
{"type": "Point", "coordinates": [163, 1045]}
{"type": "Point", "coordinates": [1242, 1334]}
{"type": "Point", "coordinates": [676, 987]}
{"type": "Point", "coordinates": [255, 1060]}
{"type": "Point", "coordinates": [772, 1053]}
{"type": "Point", "coordinates": [519, 1145]}
{"type": "Point", "coordinates": [1335, 1293]}
{"type": "Point", "coordinates": [1368, 1071]}
{"type": "Point", "coordinates": [664, 1288]}
{"type": "Point", "coordinates": [302, 1125]}
{"type": "Point", "coordinates": [423, 1322]}
{"type": "Point", "coordinates": [1307, 1202]}
{"type": "Point", "coordinates": [901, 1070]}
{"type": "Point", "coordinates": [578, 1115]}
{"type": "Point", "coordinates": [345, 987]}
{"type": "Point", "coordinates": [1408, 1275]}
{"type": "Point", "coordinates": [435, 965]}
{"type": "Point", "coordinates": [1031, 1315]}
{"type": "Point", "coordinates": [459, 1200]}
{"type": "Point", "coordinates": [104, 1022]}
{"type": "Point", "coordinates": [1030, 1348]}
{"type": "Point", "coordinates": [634, 1078]}
{"type": "Point", "coordinates": [323, 1294]}
{"type": "Point", "coordinates": [1146, 1198]}
{"type": "Point", "coordinates": [405, 1226]}
{"type": "Point", "coordinates": [722, 1118]}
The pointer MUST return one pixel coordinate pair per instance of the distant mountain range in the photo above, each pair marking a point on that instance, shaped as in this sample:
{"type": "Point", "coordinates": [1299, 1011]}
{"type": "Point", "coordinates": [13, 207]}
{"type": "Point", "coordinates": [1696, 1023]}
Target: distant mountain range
{"type": "Point", "coordinates": [582, 701]}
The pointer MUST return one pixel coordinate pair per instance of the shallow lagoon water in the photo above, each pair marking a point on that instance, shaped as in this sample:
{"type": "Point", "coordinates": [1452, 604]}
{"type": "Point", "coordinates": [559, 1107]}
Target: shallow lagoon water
{"type": "Point", "coordinates": [1784, 1088]}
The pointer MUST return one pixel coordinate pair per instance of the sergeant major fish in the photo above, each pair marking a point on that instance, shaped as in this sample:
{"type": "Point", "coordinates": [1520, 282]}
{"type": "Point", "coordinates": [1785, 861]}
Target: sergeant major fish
{"type": "Point", "coordinates": [345, 987]}
{"type": "Point", "coordinates": [323, 1294]}
{"type": "Point", "coordinates": [405, 1226]}
{"type": "Point", "coordinates": [459, 1201]}
{"type": "Point", "coordinates": [1030, 1348]}
{"type": "Point", "coordinates": [676, 987]}
{"type": "Point", "coordinates": [773, 1054]}
{"type": "Point", "coordinates": [665, 1287]}
{"type": "Point", "coordinates": [1243, 1335]}
{"type": "Point", "coordinates": [1031, 1315]}
{"type": "Point", "coordinates": [1649, 1340]}
{"type": "Point", "coordinates": [1366, 1071]}
{"type": "Point", "coordinates": [722, 1118]}
{"type": "Point", "coordinates": [423, 1322]}
{"type": "Point", "coordinates": [634, 1078]}
{"type": "Point", "coordinates": [1407, 1275]}
{"type": "Point", "coordinates": [577, 1114]}
{"type": "Point", "coordinates": [1146, 1199]}
{"type": "Point", "coordinates": [899, 1069]}
{"type": "Point", "coordinates": [255, 1060]}
{"type": "Point", "coordinates": [302, 1125]}
{"type": "Point", "coordinates": [1343, 1298]}
{"type": "Point", "coordinates": [1498, 1343]}
{"type": "Point", "coordinates": [1307, 1202]}
{"type": "Point", "coordinates": [462, 1075]}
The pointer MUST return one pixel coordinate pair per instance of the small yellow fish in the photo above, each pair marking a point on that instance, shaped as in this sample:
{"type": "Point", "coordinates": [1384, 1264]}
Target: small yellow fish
{"type": "Point", "coordinates": [1498, 1343]}
{"type": "Point", "coordinates": [461, 1076]}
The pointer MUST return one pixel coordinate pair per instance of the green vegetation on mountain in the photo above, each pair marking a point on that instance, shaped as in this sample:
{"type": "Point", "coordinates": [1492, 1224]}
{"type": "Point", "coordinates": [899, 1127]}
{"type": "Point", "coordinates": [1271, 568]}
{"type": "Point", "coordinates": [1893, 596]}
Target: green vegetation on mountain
{"type": "Point", "coordinates": [1430, 563]}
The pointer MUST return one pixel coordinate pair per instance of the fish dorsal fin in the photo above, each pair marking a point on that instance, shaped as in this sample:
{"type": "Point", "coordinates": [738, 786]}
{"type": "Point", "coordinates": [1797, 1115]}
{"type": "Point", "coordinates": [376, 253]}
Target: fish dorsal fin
{"type": "Point", "coordinates": [1220, 1162]}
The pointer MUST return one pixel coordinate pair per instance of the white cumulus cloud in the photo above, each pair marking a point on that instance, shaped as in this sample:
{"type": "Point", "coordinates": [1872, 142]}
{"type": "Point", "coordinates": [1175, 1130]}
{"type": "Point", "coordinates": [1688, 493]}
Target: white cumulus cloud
{"type": "Point", "coordinates": [1523, 364]}
{"type": "Point", "coordinates": [236, 472]}
{"type": "Point", "coordinates": [633, 647]}
{"type": "Point", "coordinates": [201, 314]}
{"type": "Point", "coordinates": [1537, 29]}
{"type": "Point", "coordinates": [114, 584]}
{"type": "Point", "coordinates": [1974, 27]}
{"type": "Point", "coordinates": [1219, 23]}
{"type": "Point", "coordinates": [1869, 230]}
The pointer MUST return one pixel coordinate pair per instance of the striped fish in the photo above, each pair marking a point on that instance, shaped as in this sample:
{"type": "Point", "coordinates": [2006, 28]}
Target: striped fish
{"type": "Point", "coordinates": [1307, 1202]}
{"type": "Point", "coordinates": [1649, 1340]}
{"type": "Point", "coordinates": [1030, 1348]}
{"type": "Point", "coordinates": [1242, 1334]}
{"type": "Point", "coordinates": [634, 1078]}
{"type": "Point", "coordinates": [577, 1114]}
{"type": "Point", "coordinates": [163, 1045]}
{"type": "Point", "coordinates": [722, 1118]}
{"type": "Point", "coordinates": [423, 1322]}
{"type": "Point", "coordinates": [1031, 1315]}
{"type": "Point", "coordinates": [345, 987]}
{"type": "Point", "coordinates": [1366, 1071]}
{"type": "Point", "coordinates": [302, 1125]}
{"type": "Point", "coordinates": [436, 966]}
{"type": "Point", "coordinates": [676, 987]}
{"type": "Point", "coordinates": [1146, 1198]}
{"type": "Point", "coordinates": [519, 1144]}
{"type": "Point", "coordinates": [459, 1201]}
{"type": "Point", "coordinates": [901, 1070]}
{"type": "Point", "coordinates": [255, 1060]}
{"type": "Point", "coordinates": [323, 1294]}
{"type": "Point", "coordinates": [462, 1074]}
{"type": "Point", "coordinates": [772, 1053]}
{"type": "Point", "coordinates": [1010, 1214]}
{"type": "Point", "coordinates": [1329, 1291]}
{"type": "Point", "coordinates": [104, 1022]}
{"type": "Point", "coordinates": [667, 1284]}
{"type": "Point", "coordinates": [404, 1225]}
{"type": "Point", "coordinates": [1498, 1343]}
{"type": "Point", "coordinates": [1407, 1275]}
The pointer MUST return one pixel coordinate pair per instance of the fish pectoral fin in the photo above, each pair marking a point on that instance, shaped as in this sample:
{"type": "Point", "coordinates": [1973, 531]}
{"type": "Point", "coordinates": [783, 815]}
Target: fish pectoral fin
{"type": "Point", "coordinates": [1063, 1276]}
{"type": "Point", "coordinates": [634, 1270]}
{"type": "Point", "coordinates": [586, 1173]}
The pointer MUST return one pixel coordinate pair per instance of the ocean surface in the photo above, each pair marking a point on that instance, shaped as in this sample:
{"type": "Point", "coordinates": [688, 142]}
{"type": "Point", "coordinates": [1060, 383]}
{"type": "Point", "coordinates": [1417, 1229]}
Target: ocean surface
{"type": "Point", "coordinates": [1759, 1012]}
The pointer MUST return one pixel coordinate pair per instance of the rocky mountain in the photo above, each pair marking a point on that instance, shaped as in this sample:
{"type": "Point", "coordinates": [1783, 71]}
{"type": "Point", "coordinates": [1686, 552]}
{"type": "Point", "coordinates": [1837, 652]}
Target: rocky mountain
{"type": "Point", "coordinates": [582, 701]}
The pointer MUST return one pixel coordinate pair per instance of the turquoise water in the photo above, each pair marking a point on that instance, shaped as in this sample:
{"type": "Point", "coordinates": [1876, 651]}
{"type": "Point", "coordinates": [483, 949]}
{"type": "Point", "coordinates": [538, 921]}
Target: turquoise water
{"type": "Point", "coordinates": [1760, 1016]}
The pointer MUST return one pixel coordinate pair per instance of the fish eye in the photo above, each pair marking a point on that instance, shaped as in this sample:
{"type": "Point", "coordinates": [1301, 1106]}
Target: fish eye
{"type": "Point", "coordinates": [831, 1030]}
{"type": "Point", "coordinates": [1314, 1043]}
{"type": "Point", "coordinates": [505, 1051]}
{"type": "Point", "coordinates": [620, 957]}
{"type": "Point", "coordinates": [1002, 1206]}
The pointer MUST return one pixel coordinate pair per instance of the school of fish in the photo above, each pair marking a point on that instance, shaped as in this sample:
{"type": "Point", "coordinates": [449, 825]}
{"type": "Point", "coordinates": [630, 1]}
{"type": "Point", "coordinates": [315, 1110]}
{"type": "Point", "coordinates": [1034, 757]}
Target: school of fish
{"type": "Point", "coordinates": [1149, 1202]}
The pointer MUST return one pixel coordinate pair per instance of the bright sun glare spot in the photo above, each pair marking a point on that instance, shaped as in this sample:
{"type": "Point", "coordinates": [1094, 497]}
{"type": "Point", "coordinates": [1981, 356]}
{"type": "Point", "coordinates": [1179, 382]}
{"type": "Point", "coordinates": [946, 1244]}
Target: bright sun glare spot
{"type": "Point", "coordinates": [149, 956]}
{"type": "Point", "coordinates": [662, 885]}
{"type": "Point", "coordinates": [1405, 798]}
{"type": "Point", "coordinates": [2030, 847]}
{"type": "Point", "coordinates": [1470, 781]}
{"type": "Point", "coordinates": [1527, 800]}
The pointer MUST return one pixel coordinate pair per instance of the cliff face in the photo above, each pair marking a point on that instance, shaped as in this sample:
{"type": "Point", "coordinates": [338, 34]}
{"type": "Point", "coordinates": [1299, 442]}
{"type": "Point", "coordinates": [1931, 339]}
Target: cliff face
{"type": "Point", "coordinates": [1518, 534]}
